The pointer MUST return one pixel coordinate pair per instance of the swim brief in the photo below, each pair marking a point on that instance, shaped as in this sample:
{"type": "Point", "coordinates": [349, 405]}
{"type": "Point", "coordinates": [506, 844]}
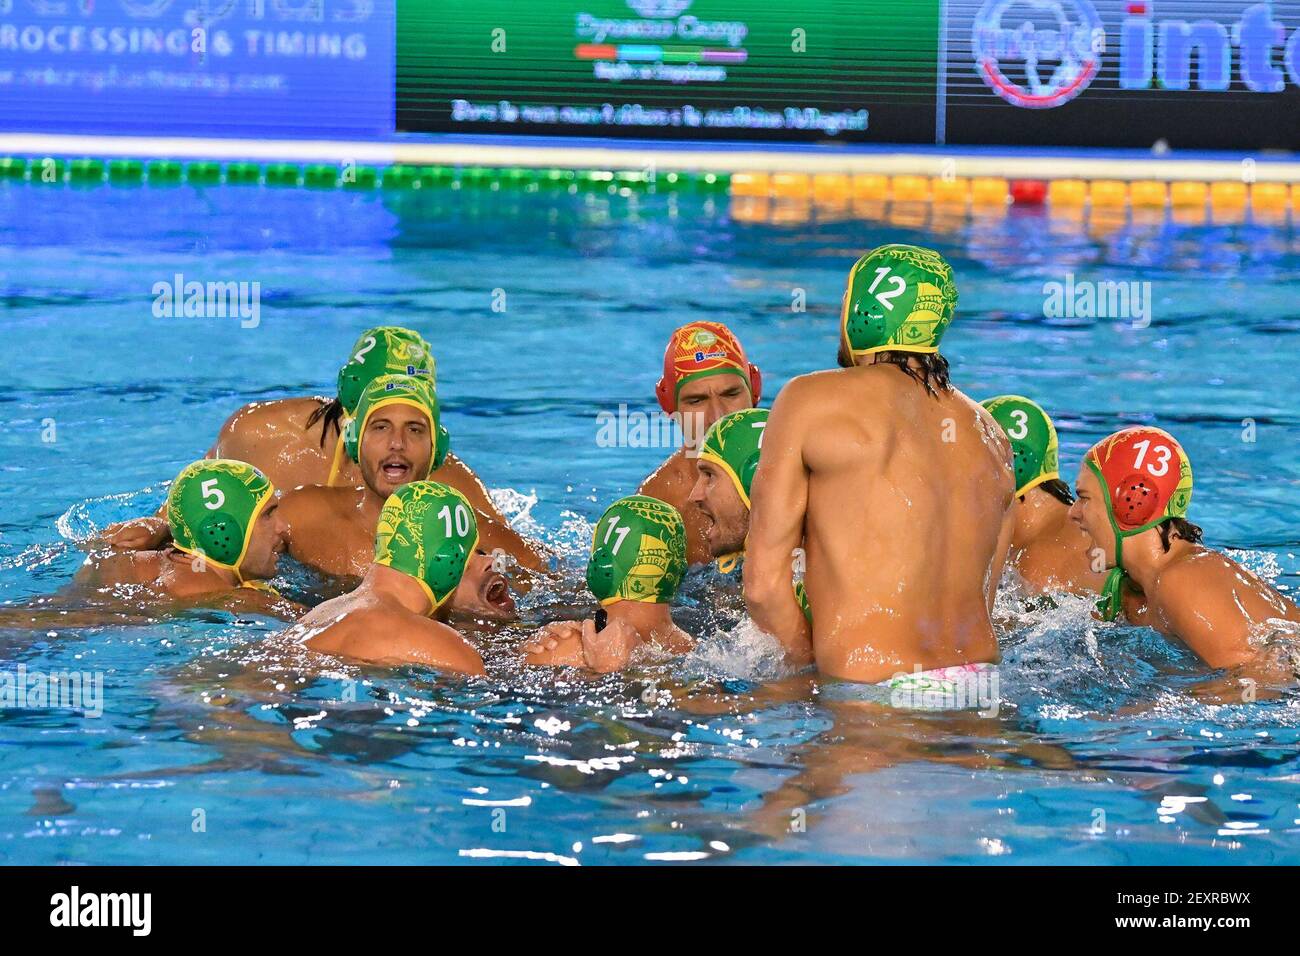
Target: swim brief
{"type": "Point", "coordinates": [959, 687]}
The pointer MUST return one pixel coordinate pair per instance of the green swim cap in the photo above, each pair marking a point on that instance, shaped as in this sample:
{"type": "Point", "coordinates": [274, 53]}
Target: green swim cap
{"type": "Point", "coordinates": [383, 350]}
{"type": "Point", "coordinates": [899, 298]}
{"type": "Point", "coordinates": [427, 530]}
{"type": "Point", "coordinates": [734, 443]}
{"type": "Point", "coordinates": [397, 390]}
{"type": "Point", "coordinates": [212, 508]}
{"type": "Point", "coordinates": [1033, 439]}
{"type": "Point", "coordinates": [638, 552]}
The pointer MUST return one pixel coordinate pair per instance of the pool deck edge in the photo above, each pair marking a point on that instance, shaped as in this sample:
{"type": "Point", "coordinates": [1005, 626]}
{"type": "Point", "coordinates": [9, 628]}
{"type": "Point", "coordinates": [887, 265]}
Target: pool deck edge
{"type": "Point", "coordinates": [1011, 165]}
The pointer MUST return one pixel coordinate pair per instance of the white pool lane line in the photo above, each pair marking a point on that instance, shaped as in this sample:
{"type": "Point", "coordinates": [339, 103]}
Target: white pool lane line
{"type": "Point", "coordinates": [512, 153]}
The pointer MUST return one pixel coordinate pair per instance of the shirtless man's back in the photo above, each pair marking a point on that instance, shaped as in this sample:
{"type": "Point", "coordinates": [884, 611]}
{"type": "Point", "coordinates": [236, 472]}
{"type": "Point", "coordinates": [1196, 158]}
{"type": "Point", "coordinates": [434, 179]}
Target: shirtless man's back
{"type": "Point", "coordinates": [897, 486]}
{"type": "Point", "coordinates": [901, 540]}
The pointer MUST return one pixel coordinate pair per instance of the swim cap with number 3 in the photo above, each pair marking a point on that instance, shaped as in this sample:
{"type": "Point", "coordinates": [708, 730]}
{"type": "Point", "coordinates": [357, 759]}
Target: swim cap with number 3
{"type": "Point", "coordinates": [1033, 439]}
{"type": "Point", "coordinates": [212, 508]}
{"type": "Point", "coordinates": [638, 552]}
{"type": "Point", "coordinates": [899, 298]}
{"type": "Point", "coordinates": [427, 530]}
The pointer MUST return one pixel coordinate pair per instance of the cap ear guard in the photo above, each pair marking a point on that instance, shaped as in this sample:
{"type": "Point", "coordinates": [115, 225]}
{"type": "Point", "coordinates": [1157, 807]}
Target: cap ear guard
{"type": "Point", "coordinates": [440, 449]}
{"type": "Point", "coordinates": [222, 536]}
{"type": "Point", "coordinates": [600, 572]}
{"type": "Point", "coordinates": [1135, 501]}
{"type": "Point", "coordinates": [755, 383]}
{"type": "Point", "coordinates": [664, 392]}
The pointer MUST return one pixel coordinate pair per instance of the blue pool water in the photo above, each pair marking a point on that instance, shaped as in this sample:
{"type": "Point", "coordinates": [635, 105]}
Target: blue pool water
{"type": "Point", "coordinates": [1100, 754]}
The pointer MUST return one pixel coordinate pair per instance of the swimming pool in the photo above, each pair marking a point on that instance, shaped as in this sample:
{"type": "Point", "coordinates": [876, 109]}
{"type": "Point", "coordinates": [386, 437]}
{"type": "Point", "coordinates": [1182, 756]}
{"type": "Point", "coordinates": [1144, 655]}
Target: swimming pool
{"type": "Point", "coordinates": [209, 752]}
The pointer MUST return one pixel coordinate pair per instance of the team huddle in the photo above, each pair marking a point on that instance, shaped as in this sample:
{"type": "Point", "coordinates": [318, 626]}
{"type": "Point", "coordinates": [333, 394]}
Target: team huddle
{"type": "Point", "coordinates": [867, 517]}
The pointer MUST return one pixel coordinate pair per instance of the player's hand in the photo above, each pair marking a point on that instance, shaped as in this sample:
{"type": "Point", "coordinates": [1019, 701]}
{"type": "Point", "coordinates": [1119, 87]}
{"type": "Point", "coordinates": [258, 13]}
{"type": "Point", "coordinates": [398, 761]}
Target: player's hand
{"type": "Point", "coordinates": [559, 642]}
{"type": "Point", "coordinates": [612, 648]}
{"type": "Point", "coordinates": [138, 534]}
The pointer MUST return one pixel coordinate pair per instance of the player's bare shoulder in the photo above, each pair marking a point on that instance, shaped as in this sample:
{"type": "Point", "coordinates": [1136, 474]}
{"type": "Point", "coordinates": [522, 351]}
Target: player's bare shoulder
{"type": "Point", "coordinates": [262, 420]}
{"type": "Point", "coordinates": [672, 479]}
{"type": "Point", "coordinates": [809, 396]}
{"type": "Point", "coordinates": [1207, 576]}
{"type": "Point", "coordinates": [991, 433]}
{"type": "Point", "coordinates": [316, 503]}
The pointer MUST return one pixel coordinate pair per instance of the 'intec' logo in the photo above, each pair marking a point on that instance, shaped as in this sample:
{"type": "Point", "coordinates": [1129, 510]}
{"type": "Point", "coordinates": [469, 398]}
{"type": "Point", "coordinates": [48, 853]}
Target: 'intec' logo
{"type": "Point", "coordinates": [1038, 53]}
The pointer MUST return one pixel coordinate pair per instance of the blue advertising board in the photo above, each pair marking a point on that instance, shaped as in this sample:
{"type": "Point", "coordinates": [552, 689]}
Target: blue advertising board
{"type": "Point", "coordinates": [271, 68]}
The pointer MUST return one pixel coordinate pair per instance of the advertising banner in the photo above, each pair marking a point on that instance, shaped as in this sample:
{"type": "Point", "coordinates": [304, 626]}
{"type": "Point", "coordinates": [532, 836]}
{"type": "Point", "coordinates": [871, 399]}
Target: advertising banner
{"type": "Point", "coordinates": [284, 68]}
{"type": "Point", "coordinates": [1201, 74]}
{"type": "Point", "coordinates": [844, 70]}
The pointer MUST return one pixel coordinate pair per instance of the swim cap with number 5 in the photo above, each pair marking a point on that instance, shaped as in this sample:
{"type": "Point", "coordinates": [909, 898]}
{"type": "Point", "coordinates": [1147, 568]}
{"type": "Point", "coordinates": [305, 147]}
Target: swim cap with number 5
{"type": "Point", "coordinates": [428, 531]}
{"type": "Point", "coordinates": [638, 552]}
{"type": "Point", "coordinates": [212, 508]}
{"type": "Point", "coordinates": [383, 350]}
{"type": "Point", "coordinates": [900, 298]}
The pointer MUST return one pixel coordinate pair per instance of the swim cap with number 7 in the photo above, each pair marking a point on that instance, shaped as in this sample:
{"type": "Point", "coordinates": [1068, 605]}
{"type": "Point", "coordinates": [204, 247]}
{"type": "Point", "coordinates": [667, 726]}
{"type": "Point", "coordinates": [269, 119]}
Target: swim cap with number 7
{"type": "Point", "coordinates": [899, 298]}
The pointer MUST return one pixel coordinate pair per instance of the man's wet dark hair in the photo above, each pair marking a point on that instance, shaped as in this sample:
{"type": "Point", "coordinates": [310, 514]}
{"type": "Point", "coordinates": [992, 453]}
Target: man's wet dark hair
{"type": "Point", "coordinates": [1058, 490]}
{"type": "Point", "coordinates": [928, 368]}
{"type": "Point", "coordinates": [1178, 527]}
{"type": "Point", "coordinates": [931, 368]}
{"type": "Point", "coordinates": [332, 413]}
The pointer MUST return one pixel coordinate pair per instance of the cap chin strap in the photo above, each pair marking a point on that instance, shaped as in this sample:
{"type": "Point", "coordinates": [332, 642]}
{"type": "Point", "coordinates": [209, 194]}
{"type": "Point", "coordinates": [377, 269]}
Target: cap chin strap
{"type": "Point", "coordinates": [340, 456]}
{"type": "Point", "coordinates": [1112, 592]}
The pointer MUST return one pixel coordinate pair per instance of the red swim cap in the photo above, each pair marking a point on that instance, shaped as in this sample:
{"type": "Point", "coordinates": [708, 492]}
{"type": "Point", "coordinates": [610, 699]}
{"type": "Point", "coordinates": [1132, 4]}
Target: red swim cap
{"type": "Point", "coordinates": [1146, 475]}
{"type": "Point", "coordinates": [700, 349]}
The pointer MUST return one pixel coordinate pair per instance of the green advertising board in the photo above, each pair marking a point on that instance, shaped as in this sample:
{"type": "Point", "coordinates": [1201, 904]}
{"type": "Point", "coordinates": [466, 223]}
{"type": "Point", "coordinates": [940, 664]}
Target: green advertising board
{"type": "Point", "coordinates": [862, 71]}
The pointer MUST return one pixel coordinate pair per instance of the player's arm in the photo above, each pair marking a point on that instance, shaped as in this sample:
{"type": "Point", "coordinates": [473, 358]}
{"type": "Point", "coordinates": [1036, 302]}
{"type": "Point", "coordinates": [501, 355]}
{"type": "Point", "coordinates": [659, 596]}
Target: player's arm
{"type": "Point", "coordinates": [268, 603]}
{"type": "Point", "coordinates": [558, 644]}
{"type": "Point", "coordinates": [779, 501]}
{"type": "Point", "coordinates": [1000, 555]}
{"type": "Point", "coordinates": [138, 534]}
{"type": "Point", "coordinates": [1202, 610]}
{"type": "Point", "coordinates": [397, 639]}
{"type": "Point", "coordinates": [494, 535]}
